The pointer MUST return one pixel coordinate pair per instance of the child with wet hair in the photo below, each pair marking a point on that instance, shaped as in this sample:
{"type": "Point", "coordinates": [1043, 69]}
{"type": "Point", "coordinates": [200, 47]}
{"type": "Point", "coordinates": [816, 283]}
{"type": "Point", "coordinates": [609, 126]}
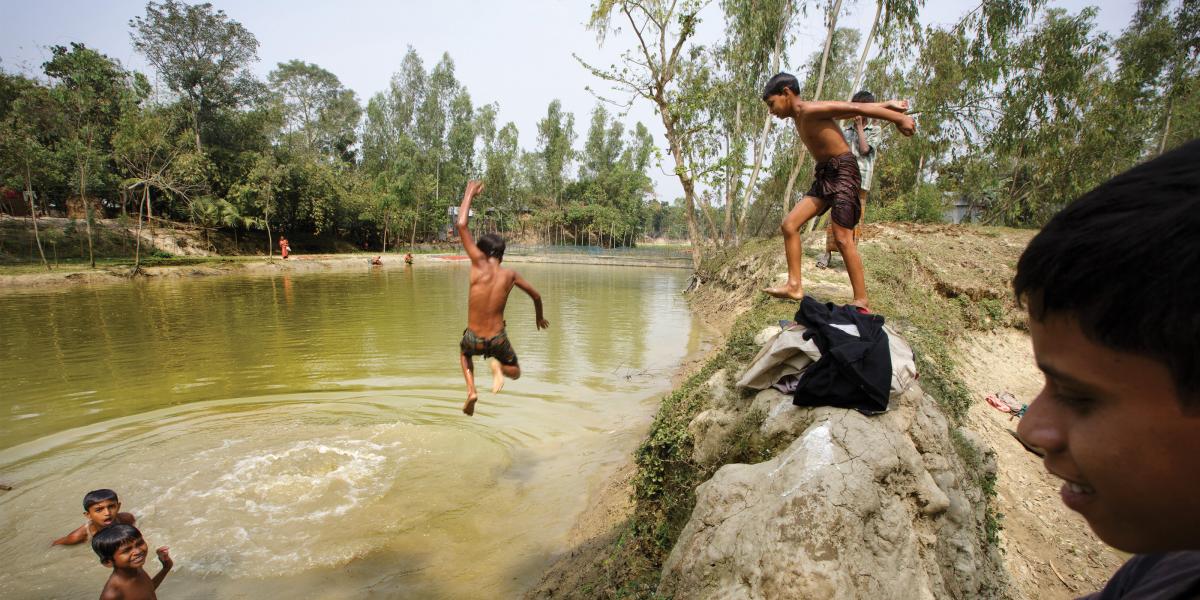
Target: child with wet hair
{"type": "Point", "coordinates": [101, 508]}
{"type": "Point", "coordinates": [122, 547]}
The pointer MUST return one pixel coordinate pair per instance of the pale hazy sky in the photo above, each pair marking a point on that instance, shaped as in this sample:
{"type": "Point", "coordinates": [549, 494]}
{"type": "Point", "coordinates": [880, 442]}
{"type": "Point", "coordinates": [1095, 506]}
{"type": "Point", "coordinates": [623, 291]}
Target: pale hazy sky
{"type": "Point", "coordinates": [514, 52]}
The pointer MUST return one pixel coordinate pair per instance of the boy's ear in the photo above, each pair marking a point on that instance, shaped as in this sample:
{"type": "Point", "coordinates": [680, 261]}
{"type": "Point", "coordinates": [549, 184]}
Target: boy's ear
{"type": "Point", "coordinates": [108, 563]}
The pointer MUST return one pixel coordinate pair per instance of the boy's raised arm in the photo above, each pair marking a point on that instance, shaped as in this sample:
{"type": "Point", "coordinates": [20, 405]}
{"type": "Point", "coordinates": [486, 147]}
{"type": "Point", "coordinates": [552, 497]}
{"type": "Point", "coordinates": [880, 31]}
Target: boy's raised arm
{"type": "Point", "coordinates": [891, 110]}
{"type": "Point", "coordinates": [542, 323]}
{"type": "Point", "coordinates": [164, 557]}
{"type": "Point", "coordinates": [474, 187]}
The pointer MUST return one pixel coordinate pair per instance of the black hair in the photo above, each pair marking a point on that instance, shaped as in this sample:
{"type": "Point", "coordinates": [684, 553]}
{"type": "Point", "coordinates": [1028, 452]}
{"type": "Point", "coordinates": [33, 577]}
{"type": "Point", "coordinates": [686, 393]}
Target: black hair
{"type": "Point", "coordinates": [1124, 259]}
{"type": "Point", "coordinates": [863, 96]}
{"type": "Point", "coordinates": [492, 245]}
{"type": "Point", "coordinates": [107, 541]}
{"type": "Point", "coordinates": [778, 83]}
{"type": "Point", "coordinates": [98, 496]}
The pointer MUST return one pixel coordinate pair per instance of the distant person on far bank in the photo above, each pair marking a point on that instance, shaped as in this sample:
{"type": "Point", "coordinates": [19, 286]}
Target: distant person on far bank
{"type": "Point", "coordinates": [408, 258]}
{"type": "Point", "coordinates": [284, 247]}
{"type": "Point", "coordinates": [490, 285]}
{"type": "Point", "coordinates": [863, 136]}
{"type": "Point", "coordinates": [1116, 331]}
{"type": "Point", "coordinates": [836, 180]}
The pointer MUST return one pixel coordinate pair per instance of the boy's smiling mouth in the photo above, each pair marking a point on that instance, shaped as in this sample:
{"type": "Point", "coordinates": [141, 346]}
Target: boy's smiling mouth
{"type": "Point", "coordinates": [1076, 496]}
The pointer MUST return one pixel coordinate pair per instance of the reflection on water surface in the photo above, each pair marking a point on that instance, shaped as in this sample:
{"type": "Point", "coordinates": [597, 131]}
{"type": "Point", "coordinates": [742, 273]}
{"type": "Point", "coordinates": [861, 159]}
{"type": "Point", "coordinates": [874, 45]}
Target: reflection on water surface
{"type": "Point", "coordinates": [300, 434]}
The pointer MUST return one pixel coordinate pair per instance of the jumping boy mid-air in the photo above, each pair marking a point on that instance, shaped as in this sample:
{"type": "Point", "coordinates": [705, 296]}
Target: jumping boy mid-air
{"type": "Point", "coordinates": [488, 295]}
{"type": "Point", "coordinates": [836, 180]}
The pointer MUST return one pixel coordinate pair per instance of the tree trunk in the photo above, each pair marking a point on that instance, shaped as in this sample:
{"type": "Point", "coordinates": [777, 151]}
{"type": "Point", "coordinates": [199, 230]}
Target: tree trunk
{"type": "Point", "coordinates": [196, 128]}
{"type": "Point", "coordinates": [267, 223]}
{"type": "Point", "coordinates": [801, 150]}
{"type": "Point", "coordinates": [862, 60]}
{"type": "Point", "coordinates": [727, 226]}
{"type": "Point", "coordinates": [33, 216]}
{"type": "Point", "coordinates": [689, 191]}
{"type": "Point", "coordinates": [1166, 128]}
{"type": "Point", "coordinates": [87, 211]}
{"type": "Point", "coordinates": [137, 248]}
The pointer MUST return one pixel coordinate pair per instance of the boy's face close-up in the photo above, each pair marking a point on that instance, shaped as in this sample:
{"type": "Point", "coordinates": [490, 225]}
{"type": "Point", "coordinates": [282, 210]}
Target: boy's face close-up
{"type": "Point", "coordinates": [104, 512]}
{"type": "Point", "coordinates": [1113, 428]}
{"type": "Point", "coordinates": [780, 105]}
{"type": "Point", "coordinates": [131, 555]}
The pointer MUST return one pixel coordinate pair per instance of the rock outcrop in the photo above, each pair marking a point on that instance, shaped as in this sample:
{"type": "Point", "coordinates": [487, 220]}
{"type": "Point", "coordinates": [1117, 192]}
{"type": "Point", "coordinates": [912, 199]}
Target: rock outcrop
{"type": "Point", "coordinates": [854, 507]}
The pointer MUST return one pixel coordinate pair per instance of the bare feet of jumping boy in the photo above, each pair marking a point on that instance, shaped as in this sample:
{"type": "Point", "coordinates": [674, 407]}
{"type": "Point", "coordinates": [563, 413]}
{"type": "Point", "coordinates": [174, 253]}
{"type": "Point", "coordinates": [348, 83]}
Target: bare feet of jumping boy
{"type": "Point", "coordinates": [469, 408]}
{"type": "Point", "coordinates": [497, 376]}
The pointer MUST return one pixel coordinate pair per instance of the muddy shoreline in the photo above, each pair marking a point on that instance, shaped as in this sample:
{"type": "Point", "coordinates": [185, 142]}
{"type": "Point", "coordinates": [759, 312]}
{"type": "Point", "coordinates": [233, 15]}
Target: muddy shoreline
{"type": "Point", "coordinates": [236, 265]}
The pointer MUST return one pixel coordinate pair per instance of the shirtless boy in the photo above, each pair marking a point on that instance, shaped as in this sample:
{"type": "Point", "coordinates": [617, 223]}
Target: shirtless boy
{"type": "Point", "coordinates": [122, 548]}
{"type": "Point", "coordinates": [490, 286]}
{"type": "Point", "coordinates": [836, 180]}
{"type": "Point", "coordinates": [101, 508]}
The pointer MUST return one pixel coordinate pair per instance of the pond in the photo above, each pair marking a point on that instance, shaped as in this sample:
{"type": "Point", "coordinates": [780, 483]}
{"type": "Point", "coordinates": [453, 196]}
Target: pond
{"type": "Point", "coordinates": [300, 434]}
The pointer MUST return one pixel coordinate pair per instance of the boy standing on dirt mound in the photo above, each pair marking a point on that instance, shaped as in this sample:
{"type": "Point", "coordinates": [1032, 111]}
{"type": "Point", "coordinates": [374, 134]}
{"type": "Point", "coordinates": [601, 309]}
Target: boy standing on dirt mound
{"type": "Point", "coordinates": [488, 295]}
{"type": "Point", "coordinates": [1116, 330]}
{"type": "Point", "coordinates": [836, 180]}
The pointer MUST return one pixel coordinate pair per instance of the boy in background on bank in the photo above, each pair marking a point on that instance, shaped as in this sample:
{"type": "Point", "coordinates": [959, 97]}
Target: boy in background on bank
{"type": "Point", "coordinates": [863, 138]}
{"type": "Point", "coordinates": [836, 179]}
{"type": "Point", "coordinates": [122, 548]}
{"type": "Point", "coordinates": [488, 295]}
{"type": "Point", "coordinates": [1116, 331]}
{"type": "Point", "coordinates": [101, 508]}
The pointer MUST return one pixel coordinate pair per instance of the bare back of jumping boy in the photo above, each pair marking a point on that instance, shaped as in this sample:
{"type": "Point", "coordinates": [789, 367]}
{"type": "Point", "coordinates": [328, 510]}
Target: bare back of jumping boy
{"type": "Point", "coordinates": [488, 295]}
{"type": "Point", "coordinates": [836, 181]}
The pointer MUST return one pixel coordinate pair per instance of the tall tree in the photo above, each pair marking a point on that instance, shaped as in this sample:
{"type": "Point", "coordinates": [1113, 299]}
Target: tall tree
{"type": "Point", "coordinates": [661, 29]}
{"type": "Point", "coordinates": [556, 138]}
{"type": "Point", "coordinates": [202, 54]}
{"type": "Point", "coordinates": [91, 88]}
{"type": "Point", "coordinates": [317, 108]}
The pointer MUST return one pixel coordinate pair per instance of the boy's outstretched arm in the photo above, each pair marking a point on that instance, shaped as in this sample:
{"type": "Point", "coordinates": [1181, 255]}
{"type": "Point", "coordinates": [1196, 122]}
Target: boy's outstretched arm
{"type": "Point", "coordinates": [886, 111]}
{"type": "Point", "coordinates": [542, 323]}
{"type": "Point", "coordinates": [474, 187]}
{"type": "Point", "coordinates": [75, 537]}
{"type": "Point", "coordinates": [164, 557]}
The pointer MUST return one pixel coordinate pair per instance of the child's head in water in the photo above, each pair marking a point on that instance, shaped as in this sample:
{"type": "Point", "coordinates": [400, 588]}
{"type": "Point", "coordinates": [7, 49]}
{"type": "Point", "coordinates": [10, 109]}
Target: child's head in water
{"type": "Point", "coordinates": [1112, 284]}
{"type": "Point", "coordinates": [121, 547]}
{"type": "Point", "coordinates": [492, 245]}
{"type": "Point", "coordinates": [101, 507]}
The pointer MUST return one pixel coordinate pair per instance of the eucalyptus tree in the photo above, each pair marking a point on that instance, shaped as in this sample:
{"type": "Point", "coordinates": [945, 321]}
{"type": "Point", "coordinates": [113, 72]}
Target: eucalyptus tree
{"type": "Point", "coordinates": [317, 108]}
{"type": "Point", "coordinates": [145, 152]}
{"type": "Point", "coordinates": [91, 89]}
{"type": "Point", "coordinates": [756, 37]}
{"type": "Point", "coordinates": [556, 138]}
{"type": "Point", "coordinates": [201, 54]}
{"type": "Point", "coordinates": [649, 70]}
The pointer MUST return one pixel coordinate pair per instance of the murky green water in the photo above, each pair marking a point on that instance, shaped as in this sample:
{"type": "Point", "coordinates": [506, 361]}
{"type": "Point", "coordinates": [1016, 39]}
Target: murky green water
{"type": "Point", "coordinates": [300, 435]}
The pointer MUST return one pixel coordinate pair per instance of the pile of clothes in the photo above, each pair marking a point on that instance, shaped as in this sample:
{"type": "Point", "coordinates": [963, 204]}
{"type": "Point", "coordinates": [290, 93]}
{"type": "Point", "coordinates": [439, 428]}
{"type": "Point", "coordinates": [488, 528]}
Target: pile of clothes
{"type": "Point", "coordinates": [834, 356]}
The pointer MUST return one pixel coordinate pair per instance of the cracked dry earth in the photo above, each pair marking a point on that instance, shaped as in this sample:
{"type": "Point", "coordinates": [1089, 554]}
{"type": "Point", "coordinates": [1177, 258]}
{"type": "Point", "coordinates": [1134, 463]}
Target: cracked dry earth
{"type": "Point", "coordinates": [1048, 549]}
